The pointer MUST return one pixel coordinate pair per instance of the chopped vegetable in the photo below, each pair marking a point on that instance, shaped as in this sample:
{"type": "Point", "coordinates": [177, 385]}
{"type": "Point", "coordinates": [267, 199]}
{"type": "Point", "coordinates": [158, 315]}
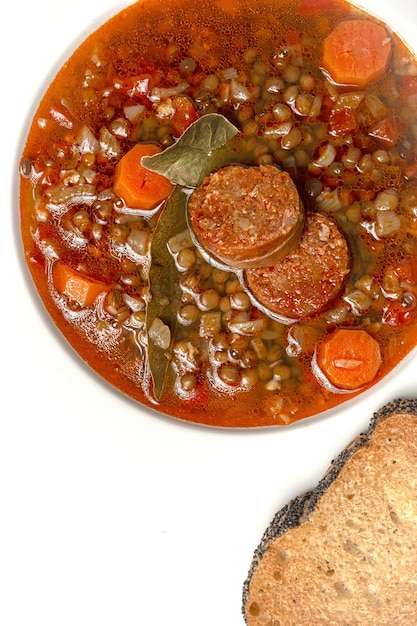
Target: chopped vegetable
{"type": "Point", "coordinates": [77, 286]}
{"type": "Point", "coordinates": [185, 114]}
{"type": "Point", "coordinates": [406, 270]}
{"type": "Point", "coordinates": [356, 52]}
{"type": "Point", "coordinates": [397, 315]}
{"type": "Point", "coordinates": [349, 358]}
{"type": "Point", "coordinates": [387, 131]}
{"type": "Point", "coordinates": [342, 122]}
{"type": "Point", "coordinates": [137, 186]}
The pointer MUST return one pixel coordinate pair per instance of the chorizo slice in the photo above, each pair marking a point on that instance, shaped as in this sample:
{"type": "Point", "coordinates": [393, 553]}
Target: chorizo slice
{"type": "Point", "coordinates": [246, 216]}
{"type": "Point", "coordinates": [306, 281]}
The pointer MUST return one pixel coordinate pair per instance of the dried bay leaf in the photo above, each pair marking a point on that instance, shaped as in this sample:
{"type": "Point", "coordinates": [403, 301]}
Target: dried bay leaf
{"type": "Point", "coordinates": [203, 147]}
{"type": "Point", "coordinates": [190, 159]}
{"type": "Point", "coordinates": [164, 287]}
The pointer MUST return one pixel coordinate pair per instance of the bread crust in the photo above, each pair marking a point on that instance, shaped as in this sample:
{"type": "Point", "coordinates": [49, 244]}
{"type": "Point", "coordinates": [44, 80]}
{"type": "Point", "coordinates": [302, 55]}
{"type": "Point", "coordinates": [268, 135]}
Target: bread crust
{"type": "Point", "coordinates": [345, 553]}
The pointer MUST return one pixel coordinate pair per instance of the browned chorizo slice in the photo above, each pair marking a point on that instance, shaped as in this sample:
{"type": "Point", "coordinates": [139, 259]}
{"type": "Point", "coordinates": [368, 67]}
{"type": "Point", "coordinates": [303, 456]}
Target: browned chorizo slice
{"type": "Point", "coordinates": [309, 278]}
{"type": "Point", "coordinates": [247, 216]}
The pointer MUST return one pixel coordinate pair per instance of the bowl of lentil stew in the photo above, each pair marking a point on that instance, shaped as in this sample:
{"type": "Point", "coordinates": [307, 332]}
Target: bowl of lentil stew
{"type": "Point", "coordinates": [125, 282]}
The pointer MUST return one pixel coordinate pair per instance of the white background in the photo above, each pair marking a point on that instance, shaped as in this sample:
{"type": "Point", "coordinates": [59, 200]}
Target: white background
{"type": "Point", "coordinates": [110, 514]}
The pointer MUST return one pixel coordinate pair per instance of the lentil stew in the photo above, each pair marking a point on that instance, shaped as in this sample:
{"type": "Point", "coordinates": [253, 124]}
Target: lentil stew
{"type": "Point", "coordinates": [134, 267]}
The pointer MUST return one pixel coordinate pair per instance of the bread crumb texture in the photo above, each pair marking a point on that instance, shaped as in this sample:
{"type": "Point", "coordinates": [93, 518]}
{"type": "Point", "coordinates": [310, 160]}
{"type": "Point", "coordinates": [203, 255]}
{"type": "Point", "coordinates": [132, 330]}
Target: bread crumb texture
{"type": "Point", "coordinates": [345, 554]}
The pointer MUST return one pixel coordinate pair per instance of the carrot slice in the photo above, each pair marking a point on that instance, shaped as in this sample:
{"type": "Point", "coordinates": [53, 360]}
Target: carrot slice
{"type": "Point", "coordinates": [349, 358]}
{"type": "Point", "coordinates": [356, 53]}
{"type": "Point", "coordinates": [137, 186]}
{"type": "Point", "coordinates": [75, 285]}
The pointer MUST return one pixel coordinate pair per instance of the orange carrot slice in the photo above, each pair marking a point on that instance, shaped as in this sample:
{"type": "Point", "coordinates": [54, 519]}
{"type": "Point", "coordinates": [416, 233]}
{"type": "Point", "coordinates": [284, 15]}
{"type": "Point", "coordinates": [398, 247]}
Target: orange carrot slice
{"type": "Point", "coordinates": [356, 53]}
{"type": "Point", "coordinates": [349, 359]}
{"type": "Point", "coordinates": [137, 186]}
{"type": "Point", "coordinates": [77, 286]}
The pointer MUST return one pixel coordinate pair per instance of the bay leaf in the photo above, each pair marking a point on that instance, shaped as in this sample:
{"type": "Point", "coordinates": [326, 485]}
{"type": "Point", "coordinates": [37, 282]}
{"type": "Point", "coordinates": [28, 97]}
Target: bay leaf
{"type": "Point", "coordinates": [164, 286]}
{"type": "Point", "coordinates": [189, 160]}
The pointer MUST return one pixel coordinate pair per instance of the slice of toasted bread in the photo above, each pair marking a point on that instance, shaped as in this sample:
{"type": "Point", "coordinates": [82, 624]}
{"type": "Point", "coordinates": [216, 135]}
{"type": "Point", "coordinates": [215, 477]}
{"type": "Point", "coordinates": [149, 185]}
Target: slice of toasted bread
{"type": "Point", "coordinates": [345, 554]}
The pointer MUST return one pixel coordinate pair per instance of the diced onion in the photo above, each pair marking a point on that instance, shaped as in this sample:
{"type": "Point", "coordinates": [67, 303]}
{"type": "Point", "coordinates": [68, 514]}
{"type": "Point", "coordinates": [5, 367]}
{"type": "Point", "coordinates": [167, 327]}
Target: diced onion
{"type": "Point", "coordinates": [337, 315]}
{"type": "Point", "coordinates": [316, 106]}
{"type": "Point", "coordinates": [387, 200]}
{"type": "Point", "coordinates": [210, 324]}
{"type": "Point", "coordinates": [326, 157]}
{"type": "Point", "coordinates": [375, 106]}
{"type": "Point", "coordinates": [160, 334]}
{"type": "Point", "coordinates": [86, 141]}
{"type": "Point", "coordinates": [62, 196]}
{"type": "Point", "coordinates": [88, 174]}
{"type": "Point", "coordinates": [250, 327]}
{"type": "Point", "coordinates": [119, 127]}
{"type": "Point", "coordinates": [280, 130]}
{"type": "Point", "coordinates": [350, 100]}
{"type": "Point", "coordinates": [180, 242]}
{"type": "Point", "coordinates": [387, 223]}
{"type": "Point", "coordinates": [136, 304]}
{"type": "Point", "coordinates": [160, 93]}
{"type": "Point", "coordinates": [391, 287]}
{"type": "Point", "coordinates": [351, 158]}
{"type": "Point", "coordinates": [229, 73]}
{"type": "Point", "coordinates": [133, 112]}
{"type": "Point", "coordinates": [109, 144]}
{"type": "Point", "coordinates": [329, 201]}
{"type": "Point", "coordinates": [358, 301]}
{"type": "Point", "coordinates": [138, 240]}
{"type": "Point", "coordinates": [61, 118]}
{"type": "Point", "coordinates": [239, 92]}
{"type": "Point", "coordinates": [164, 109]}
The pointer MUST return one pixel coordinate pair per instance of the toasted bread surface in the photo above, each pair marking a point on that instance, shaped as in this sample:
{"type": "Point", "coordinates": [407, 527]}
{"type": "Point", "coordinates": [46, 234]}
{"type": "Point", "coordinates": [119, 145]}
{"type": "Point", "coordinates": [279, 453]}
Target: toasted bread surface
{"type": "Point", "coordinates": [345, 554]}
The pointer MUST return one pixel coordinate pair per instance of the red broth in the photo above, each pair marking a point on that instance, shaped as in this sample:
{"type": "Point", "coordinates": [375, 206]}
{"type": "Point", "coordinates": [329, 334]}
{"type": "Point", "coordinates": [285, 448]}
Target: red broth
{"type": "Point", "coordinates": [124, 279]}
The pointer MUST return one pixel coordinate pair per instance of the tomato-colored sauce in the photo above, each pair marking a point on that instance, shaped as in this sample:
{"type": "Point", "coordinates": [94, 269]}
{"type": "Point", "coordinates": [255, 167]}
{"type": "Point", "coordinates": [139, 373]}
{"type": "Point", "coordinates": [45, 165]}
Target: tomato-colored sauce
{"type": "Point", "coordinates": [144, 306]}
